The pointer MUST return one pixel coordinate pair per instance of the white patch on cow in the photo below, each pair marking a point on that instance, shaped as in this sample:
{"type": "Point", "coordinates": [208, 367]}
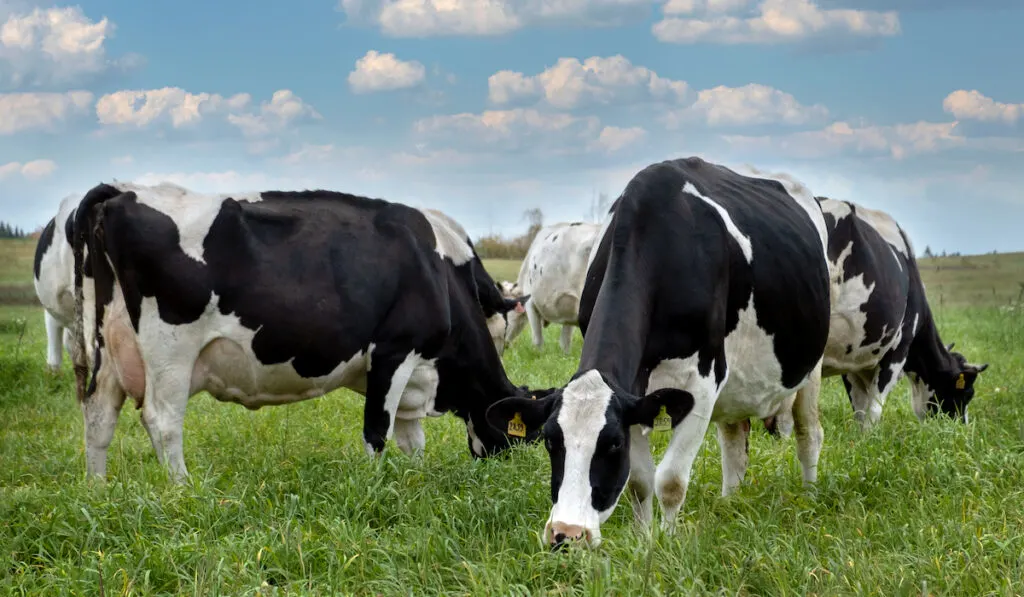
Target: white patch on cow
{"type": "Point", "coordinates": [837, 209]}
{"type": "Point", "coordinates": [450, 237]}
{"type": "Point", "coordinates": [192, 213]}
{"type": "Point", "coordinates": [741, 239]}
{"type": "Point", "coordinates": [55, 285]}
{"type": "Point", "coordinates": [553, 274]}
{"type": "Point", "coordinates": [497, 327]}
{"type": "Point", "coordinates": [581, 418]}
{"type": "Point", "coordinates": [886, 227]}
{"type": "Point", "coordinates": [474, 440]}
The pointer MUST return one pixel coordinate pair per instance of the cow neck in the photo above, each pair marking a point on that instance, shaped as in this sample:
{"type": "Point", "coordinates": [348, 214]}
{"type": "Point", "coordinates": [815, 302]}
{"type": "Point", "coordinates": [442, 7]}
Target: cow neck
{"type": "Point", "coordinates": [615, 340]}
{"type": "Point", "coordinates": [928, 357]}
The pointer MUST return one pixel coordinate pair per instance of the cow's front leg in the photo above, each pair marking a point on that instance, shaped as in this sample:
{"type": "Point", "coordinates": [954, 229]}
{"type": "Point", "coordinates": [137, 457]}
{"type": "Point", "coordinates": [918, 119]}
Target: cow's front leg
{"type": "Point", "coordinates": [641, 477]}
{"type": "Point", "coordinates": [409, 436]}
{"type": "Point", "coordinates": [565, 340]}
{"type": "Point", "coordinates": [385, 384]}
{"type": "Point", "coordinates": [733, 442]}
{"type": "Point", "coordinates": [536, 323]}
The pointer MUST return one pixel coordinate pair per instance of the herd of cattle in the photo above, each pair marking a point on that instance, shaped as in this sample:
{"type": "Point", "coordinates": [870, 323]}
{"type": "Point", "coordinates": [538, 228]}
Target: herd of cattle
{"type": "Point", "coordinates": [706, 294]}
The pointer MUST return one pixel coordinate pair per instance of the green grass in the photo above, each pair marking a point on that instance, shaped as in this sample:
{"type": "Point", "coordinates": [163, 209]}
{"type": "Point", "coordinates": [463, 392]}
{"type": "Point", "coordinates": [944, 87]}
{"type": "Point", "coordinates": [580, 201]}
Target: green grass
{"type": "Point", "coordinates": [286, 496]}
{"type": "Point", "coordinates": [503, 269]}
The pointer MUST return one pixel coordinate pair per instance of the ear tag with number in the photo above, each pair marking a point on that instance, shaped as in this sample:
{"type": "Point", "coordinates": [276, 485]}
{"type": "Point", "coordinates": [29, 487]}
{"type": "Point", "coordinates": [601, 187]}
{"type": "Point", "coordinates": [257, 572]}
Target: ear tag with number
{"type": "Point", "coordinates": [662, 422]}
{"type": "Point", "coordinates": [516, 427]}
{"type": "Point", "coordinates": [961, 383]}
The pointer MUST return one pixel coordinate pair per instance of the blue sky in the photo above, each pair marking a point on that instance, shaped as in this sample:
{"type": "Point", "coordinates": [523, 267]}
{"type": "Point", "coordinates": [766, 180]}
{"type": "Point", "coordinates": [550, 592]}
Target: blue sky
{"type": "Point", "coordinates": [485, 108]}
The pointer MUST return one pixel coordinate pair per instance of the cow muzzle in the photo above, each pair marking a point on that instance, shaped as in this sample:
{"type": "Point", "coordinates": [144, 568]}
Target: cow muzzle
{"type": "Point", "coordinates": [560, 534]}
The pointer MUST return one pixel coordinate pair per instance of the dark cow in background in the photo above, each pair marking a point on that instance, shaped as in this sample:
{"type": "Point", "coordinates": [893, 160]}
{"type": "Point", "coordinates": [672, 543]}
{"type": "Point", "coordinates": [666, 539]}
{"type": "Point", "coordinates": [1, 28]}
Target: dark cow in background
{"type": "Point", "coordinates": [709, 293]}
{"type": "Point", "coordinates": [882, 325]}
{"type": "Point", "coordinates": [53, 278]}
{"type": "Point", "coordinates": [277, 297]}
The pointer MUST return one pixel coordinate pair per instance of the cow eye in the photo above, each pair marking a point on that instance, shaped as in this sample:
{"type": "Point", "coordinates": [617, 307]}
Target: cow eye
{"type": "Point", "coordinates": [615, 446]}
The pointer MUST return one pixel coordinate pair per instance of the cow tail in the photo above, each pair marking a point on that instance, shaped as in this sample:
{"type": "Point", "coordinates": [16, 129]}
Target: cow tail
{"type": "Point", "coordinates": [82, 228]}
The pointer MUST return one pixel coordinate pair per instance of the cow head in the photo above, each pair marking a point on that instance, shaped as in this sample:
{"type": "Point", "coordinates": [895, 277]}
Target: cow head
{"type": "Point", "coordinates": [509, 312]}
{"type": "Point", "coordinates": [950, 390]}
{"type": "Point", "coordinates": [486, 440]}
{"type": "Point", "coordinates": [586, 427]}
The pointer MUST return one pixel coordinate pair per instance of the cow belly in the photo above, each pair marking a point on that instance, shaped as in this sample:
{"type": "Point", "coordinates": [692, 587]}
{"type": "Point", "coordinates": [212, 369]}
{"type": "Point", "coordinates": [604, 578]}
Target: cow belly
{"type": "Point", "coordinates": [231, 373]}
{"type": "Point", "coordinates": [561, 307]}
{"type": "Point", "coordinates": [846, 352]}
{"type": "Point", "coordinates": [420, 392]}
{"type": "Point", "coordinates": [754, 386]}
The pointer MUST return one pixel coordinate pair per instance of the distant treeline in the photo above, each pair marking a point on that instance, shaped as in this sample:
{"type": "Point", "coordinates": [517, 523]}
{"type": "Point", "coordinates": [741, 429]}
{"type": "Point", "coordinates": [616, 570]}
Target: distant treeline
{"type": "Point", "coordinates": [496, 246]}
{"type": "Point", "coordinates": [8, 231]}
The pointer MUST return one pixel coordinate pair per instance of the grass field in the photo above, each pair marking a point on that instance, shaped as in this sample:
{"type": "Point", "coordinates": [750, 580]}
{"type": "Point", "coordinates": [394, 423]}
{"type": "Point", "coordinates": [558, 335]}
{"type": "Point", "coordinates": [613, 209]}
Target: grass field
{"type": "Point", "coordinates": [285, 498]}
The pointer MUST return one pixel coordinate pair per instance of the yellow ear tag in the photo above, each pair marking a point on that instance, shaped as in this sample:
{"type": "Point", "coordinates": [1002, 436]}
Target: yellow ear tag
{"type": "Point", "coordinates": [961, 383]}
{"type": "Point", "coordinates": [662, 422]}
{"type": "Point", "coordinates": [516, 427]}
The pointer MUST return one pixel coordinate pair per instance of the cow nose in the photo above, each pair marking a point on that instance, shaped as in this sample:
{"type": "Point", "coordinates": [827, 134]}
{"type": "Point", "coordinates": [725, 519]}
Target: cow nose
{"type": "Point", "coordinates": [560, 534]}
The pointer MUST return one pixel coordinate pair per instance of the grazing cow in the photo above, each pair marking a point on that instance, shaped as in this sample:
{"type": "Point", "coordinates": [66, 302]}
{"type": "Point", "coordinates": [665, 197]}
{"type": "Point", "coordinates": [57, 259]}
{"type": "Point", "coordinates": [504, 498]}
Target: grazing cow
{"type": "Point", "coordinates": [53, 278]}
{"type": "Point", "coordinates": [882, 326]}
{"type": "Point", "coordinates": [552, 275]}
{"type": "Point", "coordinates": [709, 293]}
{"type": "Point", "coordinates": [498, 305]}
{"type": "Point", "coordinates": [277, 297]}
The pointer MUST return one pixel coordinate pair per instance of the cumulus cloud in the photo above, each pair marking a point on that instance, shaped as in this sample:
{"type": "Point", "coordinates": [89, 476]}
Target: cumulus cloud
{"type": "Point", "coordinates": [30, 111]}
{"type": "Point", "coordinates": [613, 138]}
{"type": "Point", "coordinates": [428, 18]}
{"type": "Point", "coordinates": [769, 22]}
{"type": "Point", "coordinates": [384, 72]}
{"type": "Point", "coordinates": [33, 170]}
{"type": "Point", "coordinates": [752, 104]}
{"type": "Point", "coordinates": [898, 141]}
{"type": "Point", "coordinates": [571, 84]}
{"type": "Point", "coordinates": [511, 130]}
{"type": "Point", "coordinates": [597, 80]}
{"type": "Point", "coordinates": [180, 109]}
{"type": "Point", "coordinates": [973, 105]}
{"type": "Point", "coordinates": [54, 46]}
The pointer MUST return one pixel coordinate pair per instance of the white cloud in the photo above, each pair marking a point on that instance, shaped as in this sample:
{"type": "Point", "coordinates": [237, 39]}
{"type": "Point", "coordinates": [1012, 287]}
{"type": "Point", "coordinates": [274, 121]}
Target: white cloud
{"type": "Point", "coordinates": [28, 111]}
{"type": "Point", "coordinates": [33, 170]}
{"type": "Point", "coordinates": [751, 104]}
{"type": "Point", "coordinates": [613, 138]}
{"type": "Point", "coordinates": [181, 109]}
{"type": "Point", "coordinates": [571, 83]}
{"type": "Point", "coordinates": [898, 141]}
{"type": "Point", "coordinates": [55, 45]}
{"type": "Point", "coordinates": [426, 18]}
{"type": "Point", "coordinates": [384, 72]}
{"type": "Point", "coordinates": [770, 22]}
{"type": "Point", "coordinates": [973, 105]}
{"type": "Point", "coordinates": [511, 130]}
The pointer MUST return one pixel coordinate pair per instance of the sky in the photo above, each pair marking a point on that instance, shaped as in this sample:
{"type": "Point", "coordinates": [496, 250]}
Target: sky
{"type": "Point", "coordinates": [484, 108]}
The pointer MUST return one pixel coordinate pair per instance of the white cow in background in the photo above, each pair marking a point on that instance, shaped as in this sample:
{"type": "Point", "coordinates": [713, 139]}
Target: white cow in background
{"type": "Point", "coordinates": [552, 274]}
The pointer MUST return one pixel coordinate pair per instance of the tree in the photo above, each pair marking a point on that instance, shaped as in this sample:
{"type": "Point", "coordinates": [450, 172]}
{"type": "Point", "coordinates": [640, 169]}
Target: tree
{"type": "Point", "coordinates": [928, 252]}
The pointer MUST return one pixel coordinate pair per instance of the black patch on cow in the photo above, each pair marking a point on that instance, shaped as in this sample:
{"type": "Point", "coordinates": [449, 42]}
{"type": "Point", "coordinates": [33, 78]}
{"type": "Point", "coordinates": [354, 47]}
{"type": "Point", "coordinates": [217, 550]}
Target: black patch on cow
{"type": "Point", "coordinates": [45, 240]}
{"type": "Point", "coordinates": [849, 348]}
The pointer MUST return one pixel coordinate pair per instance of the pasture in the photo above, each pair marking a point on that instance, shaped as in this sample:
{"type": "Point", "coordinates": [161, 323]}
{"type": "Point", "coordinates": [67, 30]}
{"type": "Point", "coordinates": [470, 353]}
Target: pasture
{"type": "Point", "coordinates": [284, 500]}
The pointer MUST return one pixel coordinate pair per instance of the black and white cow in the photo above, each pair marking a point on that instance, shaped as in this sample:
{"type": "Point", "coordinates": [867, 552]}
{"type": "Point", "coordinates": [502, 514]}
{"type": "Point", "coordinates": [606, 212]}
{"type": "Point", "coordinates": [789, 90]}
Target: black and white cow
{"type": "Point", "coordinates": [53, 278]}
{"type": "Point", "coordinates": [882, 326]}
{"type": "Point", "coordinates": [552, 276]}
{"type": "Point", "coordinates": [277, 297]}
{"type": "Point", "coordinates": [707, 299]}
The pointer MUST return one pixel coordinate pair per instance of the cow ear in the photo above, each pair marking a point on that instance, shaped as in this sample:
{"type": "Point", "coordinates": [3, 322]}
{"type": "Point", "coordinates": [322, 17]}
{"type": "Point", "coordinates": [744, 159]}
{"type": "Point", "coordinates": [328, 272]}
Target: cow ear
{"type": "Point", "coordinates": [519, 417]}
{"type": "Point", "coordinates": [661, 409]}
{"type": "Point", "coordinates": [515, 304]}
{"type": "Point", "coordinates": [950, 346]}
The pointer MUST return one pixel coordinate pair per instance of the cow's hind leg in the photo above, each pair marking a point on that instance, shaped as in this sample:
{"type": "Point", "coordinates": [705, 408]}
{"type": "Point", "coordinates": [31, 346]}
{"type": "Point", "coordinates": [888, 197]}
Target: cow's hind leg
{"type": "Point", "coordinates": [866, 401]}
{"type": "Point", "coordinates": [565, 340]}
{"type": "Point", "coordinates": [163, 415]}
{"type": "Point", "coordinates": [54, 342]}
{"type": "Point", "coordinates": [100, 411]}
{"type": "Point", "coordinates": [536, 323]}
{"type": "Point", "coordinates": [806, 424]}
{"type": "Point", "coordinates": [733, 439]}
